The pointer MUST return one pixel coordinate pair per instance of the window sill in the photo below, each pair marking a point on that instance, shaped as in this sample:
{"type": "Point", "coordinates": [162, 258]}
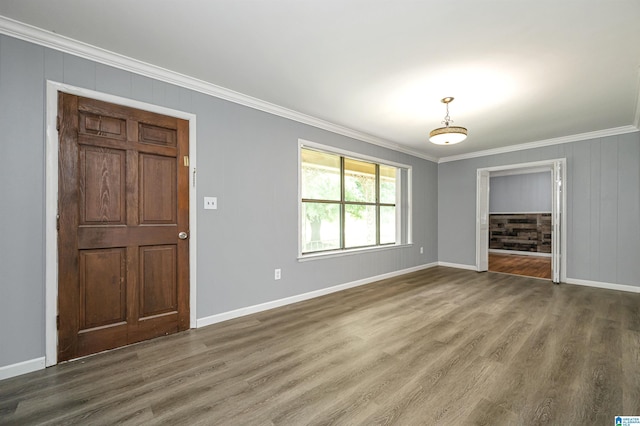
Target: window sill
{"type": "Point", "coordinates": [348, 252]}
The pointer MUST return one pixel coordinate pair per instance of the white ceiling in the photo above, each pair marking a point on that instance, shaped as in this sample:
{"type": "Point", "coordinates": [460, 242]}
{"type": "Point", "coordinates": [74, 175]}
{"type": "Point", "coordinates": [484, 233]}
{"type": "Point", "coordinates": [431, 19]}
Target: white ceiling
{"type": "Point", "coordinates": [521, 71]}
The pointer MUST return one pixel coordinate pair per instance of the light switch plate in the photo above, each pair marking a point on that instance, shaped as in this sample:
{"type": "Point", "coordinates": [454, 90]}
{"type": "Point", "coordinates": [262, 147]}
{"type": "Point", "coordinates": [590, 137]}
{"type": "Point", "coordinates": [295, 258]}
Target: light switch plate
{"type": "Point", "coordinates": [210, 203]}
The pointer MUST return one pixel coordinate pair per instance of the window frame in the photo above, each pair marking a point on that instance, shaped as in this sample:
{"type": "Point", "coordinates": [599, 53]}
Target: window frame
{"type": "Point", "coordinates": [402, 206]}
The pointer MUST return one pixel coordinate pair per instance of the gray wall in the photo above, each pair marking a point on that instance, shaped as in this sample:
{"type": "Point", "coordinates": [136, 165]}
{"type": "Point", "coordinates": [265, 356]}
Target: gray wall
{"type": "Point", "coordinates": [526, 193]}
{"type": "Point", "coordinates": [247, 158]}
{"type": "Point", "coordinates": [603, 206]}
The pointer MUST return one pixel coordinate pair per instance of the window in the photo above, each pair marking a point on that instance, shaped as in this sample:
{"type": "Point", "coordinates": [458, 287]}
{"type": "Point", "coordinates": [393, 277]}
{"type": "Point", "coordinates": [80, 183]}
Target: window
{"type": "Point", "coordinates": [347, 202]}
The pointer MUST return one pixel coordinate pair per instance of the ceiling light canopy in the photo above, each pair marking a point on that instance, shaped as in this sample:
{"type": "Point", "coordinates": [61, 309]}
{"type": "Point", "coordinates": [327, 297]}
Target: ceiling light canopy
{"type": "Point", "coordinates": [447, 135]}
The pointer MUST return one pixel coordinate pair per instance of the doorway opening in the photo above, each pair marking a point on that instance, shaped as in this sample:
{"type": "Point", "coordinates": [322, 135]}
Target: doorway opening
{"type": "Point", "coordinates": [518, 264]}
{"type": "Point", "coordinates": [520, 225]}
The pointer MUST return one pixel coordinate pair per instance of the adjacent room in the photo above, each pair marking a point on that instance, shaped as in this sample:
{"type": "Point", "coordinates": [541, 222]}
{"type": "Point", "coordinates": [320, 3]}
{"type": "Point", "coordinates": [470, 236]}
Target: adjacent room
{"type": "Point", "coordinates": [319, 212]}
{"type": "Point", "coordinates": [520, 231]}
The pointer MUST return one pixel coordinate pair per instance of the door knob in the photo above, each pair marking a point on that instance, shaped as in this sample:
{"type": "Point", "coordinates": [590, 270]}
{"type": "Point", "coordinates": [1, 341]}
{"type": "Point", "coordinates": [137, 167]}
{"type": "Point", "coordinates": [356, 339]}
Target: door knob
{"type": "Point", "coordinates": [183, 235]}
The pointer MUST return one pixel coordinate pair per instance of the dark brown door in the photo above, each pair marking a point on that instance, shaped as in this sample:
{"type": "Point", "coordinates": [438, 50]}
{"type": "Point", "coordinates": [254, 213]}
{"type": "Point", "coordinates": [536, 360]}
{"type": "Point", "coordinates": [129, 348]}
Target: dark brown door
{"type": "Point", "coordinates": [123, 270]}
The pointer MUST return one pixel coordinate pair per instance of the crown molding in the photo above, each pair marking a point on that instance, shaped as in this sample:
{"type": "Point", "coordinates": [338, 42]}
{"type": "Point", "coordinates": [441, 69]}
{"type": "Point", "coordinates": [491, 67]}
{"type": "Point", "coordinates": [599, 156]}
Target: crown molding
{"type": "Point", "coordinates": [68, 45]}
{"type": "Point", "coordinates": [555, 141]}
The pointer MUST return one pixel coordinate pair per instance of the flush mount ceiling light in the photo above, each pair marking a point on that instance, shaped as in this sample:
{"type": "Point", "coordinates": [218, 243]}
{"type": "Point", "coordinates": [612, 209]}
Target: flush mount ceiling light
{"type": "Point", "coordinates": [447, 135]}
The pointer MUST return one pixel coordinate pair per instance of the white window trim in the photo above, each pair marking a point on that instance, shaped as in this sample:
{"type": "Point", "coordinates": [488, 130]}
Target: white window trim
{"type": "Point", "coordinates": [302, 143]}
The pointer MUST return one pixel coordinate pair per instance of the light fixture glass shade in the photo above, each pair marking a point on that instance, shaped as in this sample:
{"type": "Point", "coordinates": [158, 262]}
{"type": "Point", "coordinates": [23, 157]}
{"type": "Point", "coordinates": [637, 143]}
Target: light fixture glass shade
{"type": "Point", "coordinates": [448, 135]}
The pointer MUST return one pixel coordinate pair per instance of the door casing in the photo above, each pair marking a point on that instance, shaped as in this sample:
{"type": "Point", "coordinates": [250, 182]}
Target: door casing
{"type": "Point", "coordinates": [482, 219]}
{"type": "Point", "coordinates": [558, 168]}
{"type": "Point", "coordinates": [51, 202]}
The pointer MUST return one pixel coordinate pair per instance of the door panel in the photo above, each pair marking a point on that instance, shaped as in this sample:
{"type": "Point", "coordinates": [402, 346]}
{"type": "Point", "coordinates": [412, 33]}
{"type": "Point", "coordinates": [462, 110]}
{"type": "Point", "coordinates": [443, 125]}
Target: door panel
{"type": "Point", "coordinates": [123, 199]}
{"type": "Point", "coordinates": [158, 289]}
{"type": "Point", "coordinates": [102, 126]}
{"type": "Point", "coordinates": [157, 135]}
{"type": "Point", "coordinates": [158, 196]}
{"type": "Point", "coordinates": [102, 185]}
{"type": "Point", "coordinates": [556, 251]}
{"type": "Point", "coordinates": [102, 287]}
{"type": "Point", "coordinates": [482, 226]}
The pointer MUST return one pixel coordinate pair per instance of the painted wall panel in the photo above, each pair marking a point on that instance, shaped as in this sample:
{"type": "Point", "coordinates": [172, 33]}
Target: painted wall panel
{"type": "Point", "coordinates": [54, 65]}
{"type": "Point", "coordinates": [608, 225]}
{"type": "Point", "coordinates": [21, 205]}
{"type": "Point", "coordinates": [524, 193]}
{"type": "Point", "coordinates": [457, 212]}
{"type": "Point", "coordinates": [580, 224]}
{"type": "Point", "coordinates": [628, 264]}
{"type": "Point", "coordinates": [167, 94]}
{"type": "Point", "coordinates": [80, 72]}
{"type": "Point", "coordinates": [141, 88]}
{"type": "Point", "coordinates": [246, 158]}
{"type": "Point", "coordinates": [594, 208]}
{"type": "Point", "coordinates": [114, 81]}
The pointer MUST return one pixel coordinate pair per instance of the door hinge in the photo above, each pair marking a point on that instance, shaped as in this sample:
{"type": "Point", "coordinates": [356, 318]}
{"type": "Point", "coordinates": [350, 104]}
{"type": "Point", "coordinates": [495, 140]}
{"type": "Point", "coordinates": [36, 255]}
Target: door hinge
{"type": "Point", "coordinates": [57, 222]}
{"type": "Point", "coordinates": [58, 321]}
{"type": "Point", "coordinates": [58, 123]}
{"type": "Point", "coordinates": [185, 160]}
{"type": "Point", "coordinates": [194, 177]}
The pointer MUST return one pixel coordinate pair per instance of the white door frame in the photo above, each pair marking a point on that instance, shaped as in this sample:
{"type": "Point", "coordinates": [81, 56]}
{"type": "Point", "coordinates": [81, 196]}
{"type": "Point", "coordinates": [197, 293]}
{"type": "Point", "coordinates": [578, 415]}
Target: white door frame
{"type": "Point", "coordinates": [482, 219]}
{"type": "Point", "coordinates": [558, 188]}
{"type": "Point", "coordinates": [51, 203]}
{"type": "Point", "coordinates": [558, 169]}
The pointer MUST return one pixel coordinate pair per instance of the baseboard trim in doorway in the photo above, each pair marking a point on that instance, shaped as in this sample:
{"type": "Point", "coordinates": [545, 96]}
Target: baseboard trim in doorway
{"type": "Point", "coordinates": [519, 253]}
{"type": "Point", "coordinates": [21, 368]}
{"type": "Point", "coordinates": [458, 266]}
{"type": "Point", "coordinates": [600, 284]}
{"type": "Point", "coordinates": [213, 319]}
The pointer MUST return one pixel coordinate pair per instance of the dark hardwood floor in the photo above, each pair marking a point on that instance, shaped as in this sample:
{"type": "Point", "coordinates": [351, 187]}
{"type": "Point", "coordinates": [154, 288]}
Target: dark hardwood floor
{"type": "Point", "coordinates": [530, 266]}
{"type": "Point", "coordinates": [439, 346]}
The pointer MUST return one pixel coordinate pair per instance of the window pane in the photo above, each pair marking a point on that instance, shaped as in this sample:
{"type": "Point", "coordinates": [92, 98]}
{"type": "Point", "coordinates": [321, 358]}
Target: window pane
{"type": "Point", "coordinates": [320, 226]}
{"type": "Point", "coordinates": [359, 181]}
{"type": "Point", "coordinates": [387, 184]}
{"type": "Point", "coordinates": [320, 175]}
{"type": "Point", "coordinates": [360, 225]}
{"type": "Point", "coordinates": [387, 225]}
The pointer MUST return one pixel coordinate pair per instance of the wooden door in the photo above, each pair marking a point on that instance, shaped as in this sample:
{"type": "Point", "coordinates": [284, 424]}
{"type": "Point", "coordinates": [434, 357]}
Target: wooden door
{"type": "Point", "coordinates": [123, 199]}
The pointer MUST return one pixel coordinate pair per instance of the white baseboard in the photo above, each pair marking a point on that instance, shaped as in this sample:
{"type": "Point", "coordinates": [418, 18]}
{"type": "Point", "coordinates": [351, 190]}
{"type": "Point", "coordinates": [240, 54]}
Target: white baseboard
{"type": "Point", "coordinates": [20, 368]}
{"type": "Point", "coordinates": [575, 281]}
{"type": "Point", "coordinates": [458, 265]}
{"type": "Point", "coordinates": [29, 366]}
{"type": "Point", "coordinates": [600, 284]}
{"type": "Point", "coordinates": [213, 319]}
{"type": "Point", "coordinates": [520, 253]}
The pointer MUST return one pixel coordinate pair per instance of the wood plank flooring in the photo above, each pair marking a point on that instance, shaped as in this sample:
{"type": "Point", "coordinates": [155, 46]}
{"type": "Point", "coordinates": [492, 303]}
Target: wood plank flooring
{"type": "Point", "coordinates": [439, 346]}
{"type": "Point", "coordinates": [530, 266]}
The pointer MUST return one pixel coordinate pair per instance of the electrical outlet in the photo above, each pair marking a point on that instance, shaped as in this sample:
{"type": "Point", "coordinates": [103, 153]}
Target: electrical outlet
{"type": "Point", "coordinates": [210, 203]}
{"type": "Point", "coordinates": [421, 250]}
{"type": "Point", "coordinates": [278, 274]}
